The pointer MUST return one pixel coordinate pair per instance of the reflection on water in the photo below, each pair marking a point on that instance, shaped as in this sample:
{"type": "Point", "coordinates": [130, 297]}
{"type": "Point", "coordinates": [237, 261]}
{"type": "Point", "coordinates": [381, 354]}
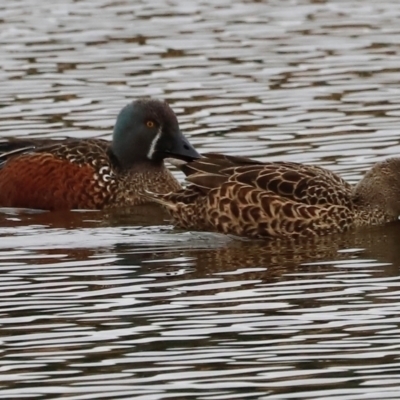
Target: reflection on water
{"type": "Point", "coordinates": [115, 305]}
{"type": "Point", "coordinates": [196, 315]}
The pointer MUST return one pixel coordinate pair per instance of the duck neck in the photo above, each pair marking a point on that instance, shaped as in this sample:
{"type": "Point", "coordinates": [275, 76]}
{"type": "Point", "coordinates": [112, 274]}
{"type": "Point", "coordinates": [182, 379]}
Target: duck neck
{"type": "Point", "coordinates": [135, 163]}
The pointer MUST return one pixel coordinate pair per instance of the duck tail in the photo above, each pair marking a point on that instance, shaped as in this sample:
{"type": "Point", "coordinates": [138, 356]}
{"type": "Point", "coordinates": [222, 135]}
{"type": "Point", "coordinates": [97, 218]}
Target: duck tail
{"type": "Point", "coordinates": [158, 198]}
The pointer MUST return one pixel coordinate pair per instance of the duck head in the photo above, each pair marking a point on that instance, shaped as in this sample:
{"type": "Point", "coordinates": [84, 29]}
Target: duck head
{"type": "Point", "coordinates": [147, 130]}
{"type": "Point", "coordinates": [380, 187]}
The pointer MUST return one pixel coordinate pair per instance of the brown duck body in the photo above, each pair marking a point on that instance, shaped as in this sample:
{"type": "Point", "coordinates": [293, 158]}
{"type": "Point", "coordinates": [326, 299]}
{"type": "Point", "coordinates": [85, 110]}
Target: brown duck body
{"type": "Point", "coordinates": [94, 173]}
{"type": "Point", "coordinates": [235, 195]}
{"type": "Point", "coordinates": [76, 174]}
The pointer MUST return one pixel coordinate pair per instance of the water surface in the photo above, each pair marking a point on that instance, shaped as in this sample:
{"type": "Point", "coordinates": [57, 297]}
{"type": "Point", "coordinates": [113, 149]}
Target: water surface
{"type": "Point", "coordinates": [109, 305]}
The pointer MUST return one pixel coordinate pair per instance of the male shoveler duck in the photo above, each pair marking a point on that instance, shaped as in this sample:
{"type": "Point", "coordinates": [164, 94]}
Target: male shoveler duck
{"type": "Point", "coordinates": [240, 196]}
{"type": "Point", "coordinates": [95, 173]}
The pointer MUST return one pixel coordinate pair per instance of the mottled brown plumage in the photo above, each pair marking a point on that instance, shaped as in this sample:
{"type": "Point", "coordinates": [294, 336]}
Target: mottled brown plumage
{"type": "Point", "coordinates": [94, 173]}
{"type": "Point", "coordinates": [235, 195]}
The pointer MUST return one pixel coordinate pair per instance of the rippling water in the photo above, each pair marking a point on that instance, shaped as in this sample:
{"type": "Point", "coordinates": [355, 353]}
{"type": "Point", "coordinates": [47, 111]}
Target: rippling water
{"type": "Point", "coordinates": [98, 305]}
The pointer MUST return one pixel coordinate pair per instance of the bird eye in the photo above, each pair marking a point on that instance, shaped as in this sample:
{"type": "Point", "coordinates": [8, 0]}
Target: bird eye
{"type": "Point", "coordinates": [150, 124]}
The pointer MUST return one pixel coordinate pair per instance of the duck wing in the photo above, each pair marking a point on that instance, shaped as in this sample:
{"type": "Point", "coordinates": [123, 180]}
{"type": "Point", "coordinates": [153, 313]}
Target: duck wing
{"type": "Point", "coordinates": [306, 184]}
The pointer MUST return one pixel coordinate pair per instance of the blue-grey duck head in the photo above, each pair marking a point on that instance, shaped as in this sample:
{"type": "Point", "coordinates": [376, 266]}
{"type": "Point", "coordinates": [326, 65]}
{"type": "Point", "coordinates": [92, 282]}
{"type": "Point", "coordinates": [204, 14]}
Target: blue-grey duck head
{"type": "Point", "coordinates": [147, 130]}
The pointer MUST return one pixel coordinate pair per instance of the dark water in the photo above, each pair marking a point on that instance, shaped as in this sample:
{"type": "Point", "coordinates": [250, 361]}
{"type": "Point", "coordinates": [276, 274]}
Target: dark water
{"type": "Point", "coordinates": [98, 305]}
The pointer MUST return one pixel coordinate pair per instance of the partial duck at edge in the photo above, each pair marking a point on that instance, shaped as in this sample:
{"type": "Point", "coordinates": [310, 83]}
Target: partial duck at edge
{"type": "Point", "coordinates": [240, 196]}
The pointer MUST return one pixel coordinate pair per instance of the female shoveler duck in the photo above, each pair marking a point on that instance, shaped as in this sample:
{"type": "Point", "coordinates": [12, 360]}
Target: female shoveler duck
{"type": "Point", "coordinates": [239, 196]}
{"type": "Point", "coordinates": [94, 173]}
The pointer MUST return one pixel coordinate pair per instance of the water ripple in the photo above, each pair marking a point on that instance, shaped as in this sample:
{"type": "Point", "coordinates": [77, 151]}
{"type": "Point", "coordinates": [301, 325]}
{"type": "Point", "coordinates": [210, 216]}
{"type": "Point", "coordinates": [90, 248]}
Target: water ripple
{"type": "Point", "coordinates": [108, 305]}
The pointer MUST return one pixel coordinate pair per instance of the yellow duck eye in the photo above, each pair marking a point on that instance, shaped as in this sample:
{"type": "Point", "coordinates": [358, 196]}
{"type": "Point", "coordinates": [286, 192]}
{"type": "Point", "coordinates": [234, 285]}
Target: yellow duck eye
{"type": "Point", "coordinates": [150, 124]}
